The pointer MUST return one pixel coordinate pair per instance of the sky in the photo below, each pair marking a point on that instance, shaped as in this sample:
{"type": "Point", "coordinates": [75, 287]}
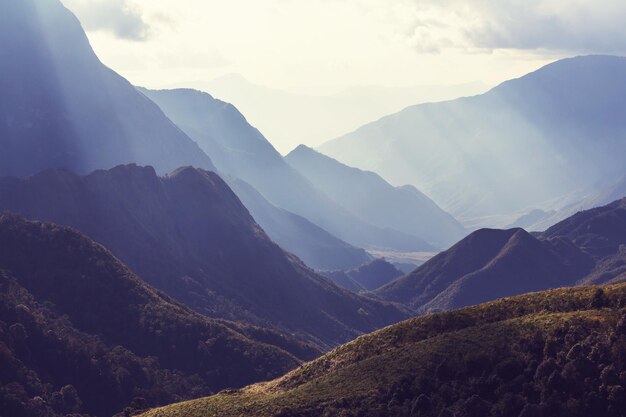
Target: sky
{"type": "Point", "coordinates": [323, 47]}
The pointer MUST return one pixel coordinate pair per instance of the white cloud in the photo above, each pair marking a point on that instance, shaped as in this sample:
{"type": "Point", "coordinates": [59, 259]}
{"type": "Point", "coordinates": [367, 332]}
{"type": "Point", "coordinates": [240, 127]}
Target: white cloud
{"type": "Point", "coordinates": [577, 26]}
{"type": "Point", "coordinates": [119, 17]}
{"type": "Point", "coordinates": [308, 45]}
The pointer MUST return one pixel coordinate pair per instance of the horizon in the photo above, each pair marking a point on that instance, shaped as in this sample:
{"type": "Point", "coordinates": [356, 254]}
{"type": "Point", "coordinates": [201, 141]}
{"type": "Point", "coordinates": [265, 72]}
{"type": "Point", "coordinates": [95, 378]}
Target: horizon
{"type": "Point", "coordinates": [366, 60]}
{"type": "Point", "coordinates": [210, 40]}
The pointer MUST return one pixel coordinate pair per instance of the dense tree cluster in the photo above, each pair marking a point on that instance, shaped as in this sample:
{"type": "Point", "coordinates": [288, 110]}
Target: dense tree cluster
{"type": "Point", "coordinates": [48, 368]}
{"type": "Point", "coordinates": [571, 365]}
{"type": "Point", "coordinates": [81, 334]}
{"type": "Point", "coordinates": [570, 373]}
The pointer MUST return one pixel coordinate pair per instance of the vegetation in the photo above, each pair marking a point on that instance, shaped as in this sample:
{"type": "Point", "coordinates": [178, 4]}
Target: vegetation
{"type": "Point", "coordinates": [188, 235]}
{"type": "Point", "coordinates": [556, 353]}
{"type": "Point", "coordinates": [80, 333]}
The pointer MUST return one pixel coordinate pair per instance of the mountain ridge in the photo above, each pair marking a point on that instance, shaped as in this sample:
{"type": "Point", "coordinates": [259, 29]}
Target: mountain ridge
{"type": "Point", "coordinates": [61, 107]}
{"type": "Point", "coordinates": [586, 248]}
{"type": "Point", "coordinates": [239, 150]}
{"type": "Point", "coordinates": [67, 302]}
{"type": "Point", "coordinates": [525, 355]}
{"type": "Point", "coordinates": [539, 148]}
{"type": "Point", "coordinates": [190, 236]}
{"type": "Point", "coordinates": [369, 196]}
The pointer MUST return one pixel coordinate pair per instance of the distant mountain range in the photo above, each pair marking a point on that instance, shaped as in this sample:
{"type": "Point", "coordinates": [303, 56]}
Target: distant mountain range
{"type": "Point", "coordinates": [314, 245]}
{"type": "Point", "coordinates": [60, 107]}
{"type": "Point", "coordinates": [81, 333]}
{"type": "Point", "coordinates": [549, 354]}
{"type": "Point", "coordinates": [188, 235]}
{"type": "Point", "coordinates": [240, 151]}
{"type": "Point", "coordinates": [587, 248]}
{"type": "Point", "coordinates": [604, 193]}
{"type": "Point", "coordinates": [367, 277]}
{"type": "Point", "coordinates": [556, 132]}
{"type": "Point", "coordinates": [278, 114]}
{"type": "Point", "coordinates": [136, 271]}
{"type": "Point", "coordinates": [376, 201]}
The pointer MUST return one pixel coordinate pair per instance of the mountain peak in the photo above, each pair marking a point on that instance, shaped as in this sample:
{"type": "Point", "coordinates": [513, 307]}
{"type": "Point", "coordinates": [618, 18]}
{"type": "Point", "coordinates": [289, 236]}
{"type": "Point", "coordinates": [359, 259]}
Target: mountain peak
{"type": "Point", "coordinates": [302, 148]}
{"type": "Point", "coordinates": [190, 236]}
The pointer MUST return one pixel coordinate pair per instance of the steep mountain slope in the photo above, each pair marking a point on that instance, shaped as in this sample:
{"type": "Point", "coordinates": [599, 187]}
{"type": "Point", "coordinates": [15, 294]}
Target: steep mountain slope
{"type": "Point", "coordinates": [488, 264]}
{"type": "Point", "coordinates": [80, 333]}
{"type": "Point", "coordinates": [556, 354]}
{"type": "Point", "coordinates": [375, 200]}
{"type": "Point", "coordinates": [315, 246]}
{"type": "Point", "coordinates": [239, 150]}
{"type": "Point", "coordinates": [559, 130]}
{"type": "Point", "coordinates": [603, 194]}
{"type": "Point", "coordinates": [586, 248]}
{"type": "Point", "coordinates": [600, 233]}
{"type": "Point", "coordinates": [367, 277]}
{"type": "Point", "coordinates": [61, 107]}
{"type": "Point", "coordinates": [188, 235]}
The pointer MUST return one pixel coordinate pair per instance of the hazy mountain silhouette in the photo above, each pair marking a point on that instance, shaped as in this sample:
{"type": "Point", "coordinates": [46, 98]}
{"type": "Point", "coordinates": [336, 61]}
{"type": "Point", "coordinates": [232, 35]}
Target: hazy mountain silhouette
{"type": "Point", "coordinates": [61, 107]}
{"type": "Point", "coordinates": [587, 248]}
{"type": "Point", "coordinates": [558, 130]}
{"type": "Point", "coordinates": [241, 151]}
{"type": "Point", "coordinates": [315, 246]}
{"type": "Point", "coordinates": [190, 236]}
{"type": "Point", "coordinates": [80, 333]}
{"type": "Point", "coordinates": [376, 201]}
{"type": "Point", "coordinates": [602, 194]}
{"type": "Point", "coordinates": [367, 277]}
{"type": "Point", "coordinates": [278, 114]}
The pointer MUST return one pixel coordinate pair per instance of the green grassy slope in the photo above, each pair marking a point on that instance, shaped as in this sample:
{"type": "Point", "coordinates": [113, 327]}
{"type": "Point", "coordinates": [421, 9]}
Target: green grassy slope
{"type": "Point", "coordinates": [554, 353]}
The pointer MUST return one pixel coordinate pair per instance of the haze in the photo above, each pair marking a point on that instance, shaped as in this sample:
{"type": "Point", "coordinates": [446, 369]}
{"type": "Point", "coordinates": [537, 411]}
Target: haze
{"type": "Point", "coordinates": [325, 47]}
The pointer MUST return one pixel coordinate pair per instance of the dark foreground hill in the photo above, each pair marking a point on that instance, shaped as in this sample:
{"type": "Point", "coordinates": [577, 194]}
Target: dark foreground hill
{"type": "Point", "coordinates": [80, 333]}
{"type": "Point", "coordinates": [587, 248]}
{"type": "Point", "coordinates": [189, 235]}
{"type": "Point", "coordinates": [550, 354]}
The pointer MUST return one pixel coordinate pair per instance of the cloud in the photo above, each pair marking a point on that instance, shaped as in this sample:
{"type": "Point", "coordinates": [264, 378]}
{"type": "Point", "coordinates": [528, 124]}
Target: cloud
{"type": "Point", "coordinates": [579, 26]}
{"type": "Point", "coordinates": [118, 17]}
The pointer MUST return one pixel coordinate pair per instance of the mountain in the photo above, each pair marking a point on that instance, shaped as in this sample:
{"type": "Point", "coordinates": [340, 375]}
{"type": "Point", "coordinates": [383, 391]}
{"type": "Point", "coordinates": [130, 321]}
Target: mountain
{"type": "Point", "coordinates": [587, 248]}
{"type": "Point", "coordinates": [81, 333]}
{"type": "Point", "coordinates": [367, 277]}
{"type": "Point", "coordinates": [278, 113]}
{"type": "Point", "coordinates": [487, 265]}
{"type": "Point", "coordinates": [557, 131]}
{"type": "Point", "coordinates": [376, 201]}
{"type": "Point", "coordinates": [602, 194]}
{"type": "Point", "coordinates": [601, 234]}
{"type": "Point", "coordinates": [188, 235]}
{"type": "Point", "coordinates": [315, 246]}
{"type": "Point", "coordinates": [62, 108]}
{"type": "Point", "coordinates": [241, 151]}
{"type": "Point", "coordinates": [552, 354]}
